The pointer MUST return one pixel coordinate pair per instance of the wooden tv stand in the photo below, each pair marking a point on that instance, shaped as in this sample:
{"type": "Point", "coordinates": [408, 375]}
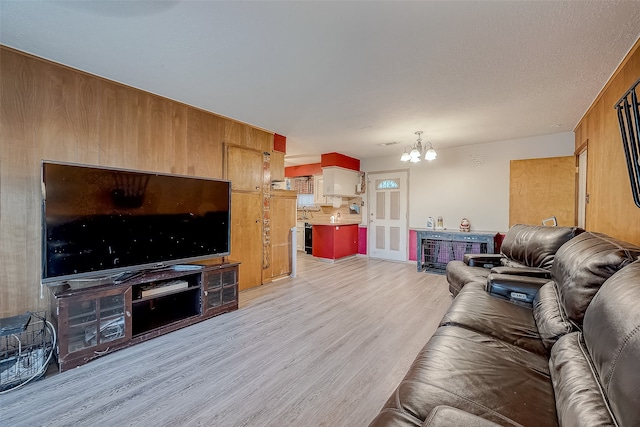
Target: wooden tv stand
{"type": "Point", "coordinates": [92, 321]}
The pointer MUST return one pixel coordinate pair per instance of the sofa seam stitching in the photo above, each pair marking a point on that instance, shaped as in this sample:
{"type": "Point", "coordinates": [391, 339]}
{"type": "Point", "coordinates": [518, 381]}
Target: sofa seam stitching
{"type": "Point", "coordinates": [619, 351]}
{"type": "Point", "coordinates": [594, 373]}
{"type": "Point", "coordinates": [499, 415]}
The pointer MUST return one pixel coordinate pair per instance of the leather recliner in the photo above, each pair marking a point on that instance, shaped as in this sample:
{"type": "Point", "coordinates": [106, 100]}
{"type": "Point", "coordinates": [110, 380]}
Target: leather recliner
{"type": "Point", "coordinates": [527, 250]}
{"type": "Point", "coordinates": [571, 359]}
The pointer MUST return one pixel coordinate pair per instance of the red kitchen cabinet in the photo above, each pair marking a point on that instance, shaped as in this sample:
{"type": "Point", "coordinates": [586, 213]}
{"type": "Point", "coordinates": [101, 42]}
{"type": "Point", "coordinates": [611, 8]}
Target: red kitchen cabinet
{"type": "Point", "coordinates": [335, 241]}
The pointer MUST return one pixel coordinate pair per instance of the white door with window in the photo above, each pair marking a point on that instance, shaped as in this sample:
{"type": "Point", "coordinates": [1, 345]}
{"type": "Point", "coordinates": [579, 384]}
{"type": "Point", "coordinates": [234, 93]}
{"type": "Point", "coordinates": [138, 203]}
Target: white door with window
{"type": "Point", "coordinates": [388, 230]}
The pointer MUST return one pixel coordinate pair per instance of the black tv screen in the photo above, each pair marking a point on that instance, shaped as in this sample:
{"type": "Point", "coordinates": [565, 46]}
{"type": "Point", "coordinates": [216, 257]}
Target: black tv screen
{"type": "Point", "coordinates": [102, 221]}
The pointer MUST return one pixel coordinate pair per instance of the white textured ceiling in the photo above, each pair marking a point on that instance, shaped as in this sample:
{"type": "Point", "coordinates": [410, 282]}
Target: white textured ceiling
{"type": "Point", "coordinates": [347, 76]}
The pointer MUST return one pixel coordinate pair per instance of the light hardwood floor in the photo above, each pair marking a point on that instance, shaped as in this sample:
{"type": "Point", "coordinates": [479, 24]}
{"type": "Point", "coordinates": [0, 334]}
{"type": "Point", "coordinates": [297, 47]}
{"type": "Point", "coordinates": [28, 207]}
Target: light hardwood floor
{"type": "Point", "coordinates": [326, 348]}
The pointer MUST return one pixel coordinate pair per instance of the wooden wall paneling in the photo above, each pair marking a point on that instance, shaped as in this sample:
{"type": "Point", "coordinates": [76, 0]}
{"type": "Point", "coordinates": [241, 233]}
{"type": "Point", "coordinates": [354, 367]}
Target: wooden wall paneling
{"type": "Point", "coordinates": [611, 209]}
{"type": "Point", "coordinates": [541, 188]}
{"type": "Point", "coordinates": [263, 140]}
{"type": "Point", "coordinates": [176, 149]}
{"type": "Point", "coordinates": [118, 131]}
{"type": "Point", "coordinates": [89, 90]}
{"type": "Point", "coordinates": [235, 133]}
{"type": "Point", "coordinates": [157, 138]}
{"type": "Point", "coordinates": [54, 112]}
{"type": "Point", "coordinates": [19, 167]}
{"type": "Point", "coordinates": [204, 144]}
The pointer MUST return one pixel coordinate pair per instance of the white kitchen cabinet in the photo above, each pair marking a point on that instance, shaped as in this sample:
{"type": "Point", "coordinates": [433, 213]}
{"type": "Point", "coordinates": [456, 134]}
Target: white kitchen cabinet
{"type": "Point", "coordinates": [339, 181]}
{"type": "Point", "coordinates": [318, 191]}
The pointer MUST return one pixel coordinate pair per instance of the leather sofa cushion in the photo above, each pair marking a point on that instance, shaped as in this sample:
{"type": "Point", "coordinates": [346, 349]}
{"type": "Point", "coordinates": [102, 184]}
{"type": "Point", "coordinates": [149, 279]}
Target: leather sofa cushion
{"type": "Point", "coordinates": [612, 336]}
{"type": "Point", "coordinates": [391, 417]}
{"type": "Point", "coordinates": [579, 401]}
{"type": "Point", "coordinates": [446, 416]}
{"type": "Point", "coordinates": [477, 310]}
{"type": "Point", "coordinates": [477, 374]}
{"type": "Point", "coordinates": [550, 318]}
{"type": "Point", "coordinates": [459, 274]}
{"type": "Point", "coordinates": [582, 265]}
{"type": "Point", "coordinates": [535, 245]}
{"type": "Point", "coordinates": [440, 416]}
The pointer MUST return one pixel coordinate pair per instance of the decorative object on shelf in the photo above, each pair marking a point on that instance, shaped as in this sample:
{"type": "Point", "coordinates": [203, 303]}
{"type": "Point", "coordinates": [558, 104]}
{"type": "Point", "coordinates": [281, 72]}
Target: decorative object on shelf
{"type": "Point", "coordinates": [430, 223]}
{"type": "Point", "coordinates": [628, 109]}
{"type": "Point", "coordinates": [440, 223]}
{"type": "Point", "coordinates": [414, 154]}
{"type": "Point", "coordinates": [354, 208]}
{"type": "Point", "coordinates": [465, 226]}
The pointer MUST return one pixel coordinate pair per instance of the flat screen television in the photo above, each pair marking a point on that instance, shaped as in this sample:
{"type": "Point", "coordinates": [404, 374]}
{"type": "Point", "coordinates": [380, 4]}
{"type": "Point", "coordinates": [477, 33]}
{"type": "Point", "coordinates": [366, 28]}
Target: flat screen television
{"type": "Point", "coordinates": [99, 222]}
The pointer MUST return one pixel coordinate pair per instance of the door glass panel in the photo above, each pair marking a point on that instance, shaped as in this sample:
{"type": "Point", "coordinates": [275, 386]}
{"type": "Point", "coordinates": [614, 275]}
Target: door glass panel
{"type": "Point", "coordinates": [380, 237]}
{"type": "Point", "coordinates": [380, 205]}
{"type": "Point", "coordinates": [394, 205]}
{"type": "Point", "coordinates": [111, 318]}
{"type": "Point", "coordinates": [214, 298]}
{"type": "Point", "coordinates": [394, 238]}
{"type": "Point", "coordinates": [83, 324]}
{"type": "Point", "coordinates": [228, 294]}
{"type": "Point", "coordinates": [229, 278]}
{"type": "Point", "coordinates": [384, 184]}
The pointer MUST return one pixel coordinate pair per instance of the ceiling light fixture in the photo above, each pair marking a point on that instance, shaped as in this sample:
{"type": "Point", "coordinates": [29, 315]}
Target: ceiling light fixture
{"type": "Point", "coordinates": [413, 154]}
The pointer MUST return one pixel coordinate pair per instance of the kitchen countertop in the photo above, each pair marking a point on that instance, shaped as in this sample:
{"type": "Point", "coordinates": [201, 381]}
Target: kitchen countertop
{"type": "Point", "coordinates": [325, 222]}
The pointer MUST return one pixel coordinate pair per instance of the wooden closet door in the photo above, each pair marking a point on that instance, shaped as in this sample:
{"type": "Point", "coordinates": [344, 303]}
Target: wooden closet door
{"type": "Point", "coordinates": [541, 188]}
{"type": "Point", "coordinates": [246, 237]}
{"type": "Point", "coordinates": [244, 168]}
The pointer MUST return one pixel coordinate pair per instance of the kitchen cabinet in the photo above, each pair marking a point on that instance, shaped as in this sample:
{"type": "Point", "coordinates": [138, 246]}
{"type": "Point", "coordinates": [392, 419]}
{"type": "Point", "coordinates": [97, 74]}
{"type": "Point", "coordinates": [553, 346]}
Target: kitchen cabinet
{"type": "Point", "coordinates": [335, 241]}
{"type": "Point", "coordinates": [318, 191]}
{"type": "Point", "coordinates": [339, 181]}
{"type": "Point", "coordinates": [276, 166]}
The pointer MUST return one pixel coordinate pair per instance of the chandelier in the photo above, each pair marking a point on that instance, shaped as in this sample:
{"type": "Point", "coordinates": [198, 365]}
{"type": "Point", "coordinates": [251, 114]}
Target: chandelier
{"type": "Point", "coordinates": [415, 153]}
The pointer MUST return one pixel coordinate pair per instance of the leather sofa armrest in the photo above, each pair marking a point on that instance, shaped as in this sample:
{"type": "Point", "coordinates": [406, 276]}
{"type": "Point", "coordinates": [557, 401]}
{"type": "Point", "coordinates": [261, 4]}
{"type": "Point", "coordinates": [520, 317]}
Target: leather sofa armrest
{"type": "Point", "coordinates": [483, 260]}
{"type": "Point", "coordinates": [446, 416]}
{"type": "Point", "coordinates": [520, 289]}
{"type": "Point", "coordinates": [541, 273]}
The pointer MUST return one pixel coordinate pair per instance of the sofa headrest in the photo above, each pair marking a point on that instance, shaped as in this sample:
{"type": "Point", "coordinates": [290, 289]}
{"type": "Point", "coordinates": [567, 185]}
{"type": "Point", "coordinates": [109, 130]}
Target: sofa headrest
{"type": "Point", "coordinates": [612, 335]}
{"type": "Point", "coordinates": [535, 245]}
{"type": "Point", "coordinates": [583, 264]}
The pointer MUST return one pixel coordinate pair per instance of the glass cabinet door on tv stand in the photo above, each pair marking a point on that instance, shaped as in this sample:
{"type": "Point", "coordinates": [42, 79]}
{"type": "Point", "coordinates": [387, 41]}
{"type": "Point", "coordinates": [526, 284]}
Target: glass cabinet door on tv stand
{"type": "Point", "coordinates": [90, 323]}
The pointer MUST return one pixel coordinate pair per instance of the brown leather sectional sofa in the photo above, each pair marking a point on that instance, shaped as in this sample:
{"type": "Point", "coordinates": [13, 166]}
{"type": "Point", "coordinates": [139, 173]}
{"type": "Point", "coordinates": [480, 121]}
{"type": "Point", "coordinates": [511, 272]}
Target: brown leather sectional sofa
{"type": "Point", "coordinates": [570, 358]}
{"type": "Point", "coordinates": [526, 250]}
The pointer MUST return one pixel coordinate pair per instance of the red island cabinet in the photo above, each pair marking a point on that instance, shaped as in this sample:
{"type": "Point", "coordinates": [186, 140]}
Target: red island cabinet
{"type": "Point", "coordinates": [334, 241]}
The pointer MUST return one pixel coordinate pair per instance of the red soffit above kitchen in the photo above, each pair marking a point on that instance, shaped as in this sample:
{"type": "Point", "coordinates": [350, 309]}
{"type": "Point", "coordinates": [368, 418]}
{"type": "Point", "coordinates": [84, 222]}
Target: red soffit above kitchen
{"type": "Point", "coordinates": [279, 143]}
{"type": "Point", "coordinates": [337, 159]}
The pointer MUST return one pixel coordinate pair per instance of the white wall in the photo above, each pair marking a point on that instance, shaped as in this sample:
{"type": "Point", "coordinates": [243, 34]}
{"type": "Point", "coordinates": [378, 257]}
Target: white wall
{"type": "Point", "coordinates": [469, 182]}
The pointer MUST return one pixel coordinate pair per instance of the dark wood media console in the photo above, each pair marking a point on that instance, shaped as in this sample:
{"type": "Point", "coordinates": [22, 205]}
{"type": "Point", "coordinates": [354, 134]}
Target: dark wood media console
{"type": "Point", "coordinates": [94, 320]}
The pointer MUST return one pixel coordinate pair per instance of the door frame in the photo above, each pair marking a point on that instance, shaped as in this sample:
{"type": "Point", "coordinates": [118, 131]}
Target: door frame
{"type": "Point", "coordinates": [582, 200]}
{"type": "Point", "coordinates": [370, 193]}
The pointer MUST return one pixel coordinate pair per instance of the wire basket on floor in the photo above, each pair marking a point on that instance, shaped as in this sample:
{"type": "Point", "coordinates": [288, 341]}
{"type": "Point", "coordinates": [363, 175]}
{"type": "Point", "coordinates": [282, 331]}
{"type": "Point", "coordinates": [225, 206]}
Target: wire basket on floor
{"type": "Point", "coordinates": [27, 342]}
